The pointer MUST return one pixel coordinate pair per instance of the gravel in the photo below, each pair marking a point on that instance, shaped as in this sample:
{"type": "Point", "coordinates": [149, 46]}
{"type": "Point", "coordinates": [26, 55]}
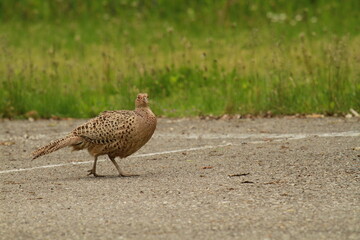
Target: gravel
{"type": "Point", "coordinates": [278, 178]}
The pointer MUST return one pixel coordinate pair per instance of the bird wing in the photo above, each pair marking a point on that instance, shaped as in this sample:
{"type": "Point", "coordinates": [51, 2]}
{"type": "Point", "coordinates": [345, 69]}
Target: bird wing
{"type": "Point", "coordinates": [108, 127]}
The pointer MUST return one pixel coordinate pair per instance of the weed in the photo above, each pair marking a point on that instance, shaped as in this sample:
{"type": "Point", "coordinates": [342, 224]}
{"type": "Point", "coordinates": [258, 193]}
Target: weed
{"type": "Point", "coordinates": [194, 59]}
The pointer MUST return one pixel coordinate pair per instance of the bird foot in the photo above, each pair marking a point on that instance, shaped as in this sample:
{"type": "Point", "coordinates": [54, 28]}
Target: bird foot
{"type": "Point", "coordinates": [92, 172]}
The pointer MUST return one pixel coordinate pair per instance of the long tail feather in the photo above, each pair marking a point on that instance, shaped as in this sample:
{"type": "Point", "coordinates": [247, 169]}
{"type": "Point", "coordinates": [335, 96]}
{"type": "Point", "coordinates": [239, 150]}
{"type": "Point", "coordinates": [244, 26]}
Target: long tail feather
{"type": "Point", "coordinates": [56, 145]}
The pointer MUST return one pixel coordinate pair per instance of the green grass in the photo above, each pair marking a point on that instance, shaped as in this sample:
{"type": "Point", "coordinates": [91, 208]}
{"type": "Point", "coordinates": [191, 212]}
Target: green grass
{"type": "Point", "coordinates": [77, 58]}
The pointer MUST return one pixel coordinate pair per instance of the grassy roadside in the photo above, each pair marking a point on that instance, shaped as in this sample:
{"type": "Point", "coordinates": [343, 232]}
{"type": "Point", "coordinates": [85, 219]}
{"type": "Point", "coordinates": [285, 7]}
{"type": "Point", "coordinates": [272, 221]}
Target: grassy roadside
{"type": "Point", "coordinates": [289, 61]}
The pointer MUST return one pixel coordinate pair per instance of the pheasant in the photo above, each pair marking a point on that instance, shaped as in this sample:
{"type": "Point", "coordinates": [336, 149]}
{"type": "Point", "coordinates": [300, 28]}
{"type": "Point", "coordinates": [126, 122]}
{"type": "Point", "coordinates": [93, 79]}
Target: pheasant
{"type": "Point", "coordinates": [113, 133]}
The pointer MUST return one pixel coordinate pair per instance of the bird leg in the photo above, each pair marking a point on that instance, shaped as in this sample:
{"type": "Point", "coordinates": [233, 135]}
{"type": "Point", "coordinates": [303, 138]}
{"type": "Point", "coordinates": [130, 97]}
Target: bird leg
{"type": "Point", "coordinates": [93, 170]}
{"type": "Point", "coordinates": [121, 173]}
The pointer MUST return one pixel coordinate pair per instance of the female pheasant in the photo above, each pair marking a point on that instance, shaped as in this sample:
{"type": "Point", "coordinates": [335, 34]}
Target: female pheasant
{"type": "Point", "coordinates": [113, 133]}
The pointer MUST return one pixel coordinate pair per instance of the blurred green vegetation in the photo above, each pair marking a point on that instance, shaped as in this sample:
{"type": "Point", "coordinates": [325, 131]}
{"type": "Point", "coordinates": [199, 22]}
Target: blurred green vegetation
{"type": "Point", "coordinates": [76, 58]}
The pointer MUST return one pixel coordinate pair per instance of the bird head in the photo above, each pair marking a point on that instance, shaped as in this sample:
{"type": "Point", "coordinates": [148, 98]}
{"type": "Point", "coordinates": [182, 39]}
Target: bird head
{"type": "Point", "coordinates": [142, 100]}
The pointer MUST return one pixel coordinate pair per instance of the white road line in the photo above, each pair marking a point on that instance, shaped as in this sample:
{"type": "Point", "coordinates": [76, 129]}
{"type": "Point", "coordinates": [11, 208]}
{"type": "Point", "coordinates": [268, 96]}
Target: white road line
{"type": "Point", "coordinates": [259, 135]}
{"type": "Point", "coordinates": [276, 137]}
{"type": "Point", "coordinates": [134, 156]}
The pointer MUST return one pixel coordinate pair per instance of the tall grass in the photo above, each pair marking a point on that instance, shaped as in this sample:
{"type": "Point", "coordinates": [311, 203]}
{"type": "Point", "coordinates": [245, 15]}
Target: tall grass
{"type": "Point", "coordinates": [77, 58]}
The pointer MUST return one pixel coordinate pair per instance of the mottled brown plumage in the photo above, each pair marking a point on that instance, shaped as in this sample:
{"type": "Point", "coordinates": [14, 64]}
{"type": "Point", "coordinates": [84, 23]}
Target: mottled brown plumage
{"type": "Point", "coordinates": [112, 133]}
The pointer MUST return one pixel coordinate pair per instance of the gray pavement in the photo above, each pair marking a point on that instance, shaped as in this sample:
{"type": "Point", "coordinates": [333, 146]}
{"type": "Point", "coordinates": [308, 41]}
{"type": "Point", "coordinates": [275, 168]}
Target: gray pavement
{"type": "Point", "coordinates": [279, 178]}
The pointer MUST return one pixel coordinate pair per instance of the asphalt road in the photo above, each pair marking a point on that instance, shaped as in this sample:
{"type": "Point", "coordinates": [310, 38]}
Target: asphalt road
{"type": "Point", "coordinates": [279, 178]}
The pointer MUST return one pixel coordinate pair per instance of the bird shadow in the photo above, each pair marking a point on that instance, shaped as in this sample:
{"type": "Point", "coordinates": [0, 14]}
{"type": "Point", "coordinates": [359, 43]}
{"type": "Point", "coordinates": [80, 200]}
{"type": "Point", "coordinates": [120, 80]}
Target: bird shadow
{"type": "Point", "coordinates": [106, 177]}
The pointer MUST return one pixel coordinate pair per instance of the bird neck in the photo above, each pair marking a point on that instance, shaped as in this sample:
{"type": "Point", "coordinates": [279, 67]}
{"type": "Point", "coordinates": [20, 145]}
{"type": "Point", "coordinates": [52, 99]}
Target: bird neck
{"type": "Point", "coordinates": [145, 113]}
{"type": "Point", "coordinates": [143, 110]}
